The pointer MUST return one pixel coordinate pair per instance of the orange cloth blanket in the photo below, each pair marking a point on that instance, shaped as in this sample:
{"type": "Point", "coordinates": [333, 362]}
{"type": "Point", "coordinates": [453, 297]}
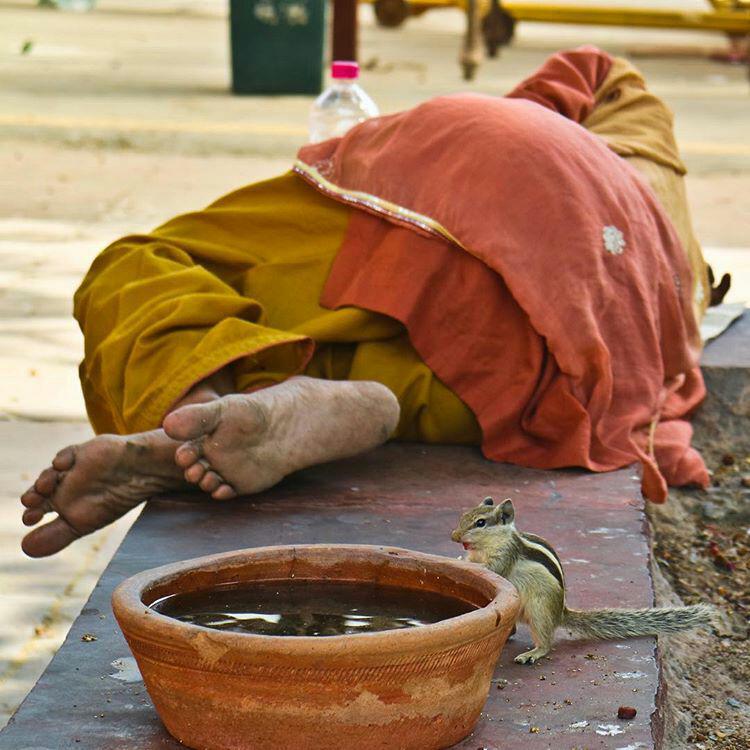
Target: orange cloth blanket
{"type": "Point", "coordinates": [534, 269]}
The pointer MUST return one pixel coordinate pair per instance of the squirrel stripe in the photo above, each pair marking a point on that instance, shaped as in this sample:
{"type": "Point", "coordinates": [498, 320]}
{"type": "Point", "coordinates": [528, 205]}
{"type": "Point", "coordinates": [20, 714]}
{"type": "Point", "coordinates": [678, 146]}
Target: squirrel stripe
{"type": "Point", "coordinates": [538, 550]}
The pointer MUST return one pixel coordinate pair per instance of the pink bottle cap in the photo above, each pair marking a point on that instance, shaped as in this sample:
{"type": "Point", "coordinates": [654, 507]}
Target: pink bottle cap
{"type": "Point", "coordinates": [344, 69]}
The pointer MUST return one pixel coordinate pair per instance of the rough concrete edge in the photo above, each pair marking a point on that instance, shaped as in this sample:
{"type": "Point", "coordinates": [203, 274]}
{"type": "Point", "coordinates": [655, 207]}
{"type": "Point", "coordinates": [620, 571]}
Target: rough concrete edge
{"type": "Point", "coordinates": [718, 415]}
{"type": "Point", "coordinates": [659, 716]}
{"type": "Point", "coordinates": [670, 727]}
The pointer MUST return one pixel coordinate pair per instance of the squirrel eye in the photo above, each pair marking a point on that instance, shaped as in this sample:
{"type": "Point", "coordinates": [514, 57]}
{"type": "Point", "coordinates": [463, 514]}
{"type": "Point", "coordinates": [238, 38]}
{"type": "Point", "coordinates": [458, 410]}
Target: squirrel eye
{"type": "Point", "coordinates": [480, 522]}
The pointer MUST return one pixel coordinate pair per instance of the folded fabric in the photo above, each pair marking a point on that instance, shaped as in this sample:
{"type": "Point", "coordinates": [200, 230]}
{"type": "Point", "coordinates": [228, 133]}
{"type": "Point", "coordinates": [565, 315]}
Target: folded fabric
{"type": "Point", "coordinates": [535, 271]}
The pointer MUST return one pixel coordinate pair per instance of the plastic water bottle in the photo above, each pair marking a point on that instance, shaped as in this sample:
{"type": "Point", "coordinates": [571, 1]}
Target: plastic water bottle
{"type": "Point", "coordinates": [342, 105]}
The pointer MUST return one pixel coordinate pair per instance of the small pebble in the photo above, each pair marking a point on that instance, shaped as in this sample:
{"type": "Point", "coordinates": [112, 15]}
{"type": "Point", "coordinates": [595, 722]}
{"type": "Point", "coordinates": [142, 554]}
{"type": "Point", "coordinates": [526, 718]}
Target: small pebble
{"type": "Point", "coordinates": [534, 730]}
{"type": "Point", "coordinates": [88, 637]}
{"type": "Point", "coordinates": [734, 703]}
{"type": "Point", "coordinates": [626, 712]}
{"type": "Point", "coordinates": [727, 459]}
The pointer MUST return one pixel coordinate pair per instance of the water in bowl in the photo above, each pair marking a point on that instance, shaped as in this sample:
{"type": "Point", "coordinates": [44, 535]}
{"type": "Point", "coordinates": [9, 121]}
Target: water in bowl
{"type": "Point", "coordinates": [310, 608]}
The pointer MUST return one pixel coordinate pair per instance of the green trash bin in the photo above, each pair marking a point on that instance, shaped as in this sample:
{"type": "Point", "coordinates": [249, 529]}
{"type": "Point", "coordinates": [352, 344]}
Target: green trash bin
{"type": "Point", "coordinates": [277, 46]}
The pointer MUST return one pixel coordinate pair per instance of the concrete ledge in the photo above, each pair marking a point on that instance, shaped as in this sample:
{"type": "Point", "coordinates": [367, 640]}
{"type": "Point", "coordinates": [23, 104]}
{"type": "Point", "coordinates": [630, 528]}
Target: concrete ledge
{"type": "Point", "coordinates": [407, 496]}
{"type": "Point", "coordinates": [721, 421]}
{"type": "Point", "coordinates": [731, 350]}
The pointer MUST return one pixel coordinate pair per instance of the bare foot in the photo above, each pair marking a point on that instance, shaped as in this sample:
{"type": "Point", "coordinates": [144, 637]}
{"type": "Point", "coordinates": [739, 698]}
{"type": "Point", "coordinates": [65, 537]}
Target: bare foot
{"type": "Point", "coordinates": [93, 484]}
{"type": "Point", "coordinates": [245, 443]}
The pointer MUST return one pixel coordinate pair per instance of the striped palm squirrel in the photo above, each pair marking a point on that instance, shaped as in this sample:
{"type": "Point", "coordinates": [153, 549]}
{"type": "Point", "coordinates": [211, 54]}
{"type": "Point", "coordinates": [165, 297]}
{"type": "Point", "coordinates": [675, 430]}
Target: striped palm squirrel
{"type": "Point", "coordinates": [531, 564]}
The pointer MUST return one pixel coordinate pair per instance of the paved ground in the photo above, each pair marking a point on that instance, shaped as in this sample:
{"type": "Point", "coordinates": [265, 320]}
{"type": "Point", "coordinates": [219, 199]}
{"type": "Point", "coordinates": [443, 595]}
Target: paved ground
{"type": "Point", "coordinates": [113, 121]}
{"type": "Point", "coordinates": [40, 598]}
{"type": "Point", "coordinates": [83, 700]}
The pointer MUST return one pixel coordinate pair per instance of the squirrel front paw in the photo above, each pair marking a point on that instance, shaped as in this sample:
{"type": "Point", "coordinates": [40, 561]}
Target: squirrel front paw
{"type": "Point", "coordinates": [531, 657]}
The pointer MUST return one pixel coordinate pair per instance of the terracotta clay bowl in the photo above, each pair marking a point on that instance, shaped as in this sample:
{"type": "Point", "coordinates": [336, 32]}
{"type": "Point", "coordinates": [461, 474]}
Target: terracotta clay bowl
{"type": "Point", "coordinates": [413, 689]}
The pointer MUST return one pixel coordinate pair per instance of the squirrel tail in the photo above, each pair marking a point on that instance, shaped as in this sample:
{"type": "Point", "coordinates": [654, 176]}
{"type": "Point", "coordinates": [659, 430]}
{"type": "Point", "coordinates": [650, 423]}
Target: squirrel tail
{"type": "Point", "coordinates": [613, 624]}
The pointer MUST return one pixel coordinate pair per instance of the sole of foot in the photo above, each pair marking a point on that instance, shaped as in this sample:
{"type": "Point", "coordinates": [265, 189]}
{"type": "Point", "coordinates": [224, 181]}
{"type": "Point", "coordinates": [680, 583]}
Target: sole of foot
{"type": "Point", "coordinates": [245, 443]}
{"type": "Point", "coordinates": [93, 484]}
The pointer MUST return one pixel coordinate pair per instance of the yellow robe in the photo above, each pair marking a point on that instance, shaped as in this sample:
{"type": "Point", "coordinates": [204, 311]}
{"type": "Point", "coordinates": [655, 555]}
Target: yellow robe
{"type": "Point", "coordinates": [238, 285]}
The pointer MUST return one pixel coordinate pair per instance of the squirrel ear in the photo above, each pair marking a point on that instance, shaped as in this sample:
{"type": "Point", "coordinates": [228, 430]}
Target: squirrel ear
{"type": "Point", "coordinates": [507, 512]}
{"type": "Point", "coordinates": [488, 501]}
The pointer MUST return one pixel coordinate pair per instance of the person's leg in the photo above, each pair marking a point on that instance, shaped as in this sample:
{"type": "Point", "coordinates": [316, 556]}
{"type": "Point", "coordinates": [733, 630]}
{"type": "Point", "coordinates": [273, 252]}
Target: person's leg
{"type": "Point", "coordinates": [93, 484]}
{"type": "Point", "coordinates": [163, 311]}
{"type": "Point", "coordinates": [224, 444]}
{"type": "Point", "coordinates": [168, 322]}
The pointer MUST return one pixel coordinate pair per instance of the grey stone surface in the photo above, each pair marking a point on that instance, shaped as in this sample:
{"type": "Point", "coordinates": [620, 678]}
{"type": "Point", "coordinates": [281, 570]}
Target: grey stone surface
{"type": "Point", "coordinates": [721, 421]}
{"type": "Point", "coordinates": [407, 496]}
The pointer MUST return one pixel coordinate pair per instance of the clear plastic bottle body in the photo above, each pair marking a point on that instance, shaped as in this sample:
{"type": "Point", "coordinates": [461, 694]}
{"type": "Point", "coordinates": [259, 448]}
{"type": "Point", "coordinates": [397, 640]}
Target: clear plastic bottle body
{"type": "Point", "coordinates": [340, 107]}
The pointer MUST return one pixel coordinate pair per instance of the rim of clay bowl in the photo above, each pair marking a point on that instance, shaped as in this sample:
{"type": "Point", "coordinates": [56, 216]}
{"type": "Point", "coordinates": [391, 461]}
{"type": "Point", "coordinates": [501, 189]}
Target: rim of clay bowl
{"type": "Point", "coordinates": [138, 619]}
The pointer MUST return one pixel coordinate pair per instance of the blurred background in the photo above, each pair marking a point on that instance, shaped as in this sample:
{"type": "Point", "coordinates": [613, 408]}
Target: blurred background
{"type": "Point", "coordinates": [114, 119]}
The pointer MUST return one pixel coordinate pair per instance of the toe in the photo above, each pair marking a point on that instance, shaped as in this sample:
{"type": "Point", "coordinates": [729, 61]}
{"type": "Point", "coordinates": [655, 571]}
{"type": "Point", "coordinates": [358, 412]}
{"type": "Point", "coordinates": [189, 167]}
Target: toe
{"type": "Point", "coordinates": [187, 454]}
{"type": "Point", "coordinates": [65, 459]}
{"type": "Point", "coordinates": [195, 473]}
{"type": "Point", "coordinates": [224, 492]}
{"type": "Point", "coordinates": [32, 499]}
{"type": "Point", "coordinates": [47, 481]}
{"type": "Point", "coordinates": [210, 482]}
{"type": "Point", "coordinates": [32, 516]}
{"type": "Point", "coordinates": [49, 539]}
{"type": "Point", "coordinates": [190, 422]}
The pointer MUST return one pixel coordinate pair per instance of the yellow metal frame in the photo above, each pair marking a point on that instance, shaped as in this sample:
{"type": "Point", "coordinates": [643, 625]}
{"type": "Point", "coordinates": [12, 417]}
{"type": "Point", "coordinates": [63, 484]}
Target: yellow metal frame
{"type": "Point", "coordinates": [727, 16]}
{"type": "Point", "coordinates": [720, 19]}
